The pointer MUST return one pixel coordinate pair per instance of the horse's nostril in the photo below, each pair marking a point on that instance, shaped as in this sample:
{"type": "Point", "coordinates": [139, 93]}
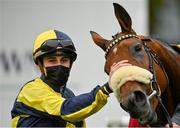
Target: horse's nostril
{"type": "Point", "coordinates": [138, 98]}
{"type": "Point", "coordinates": [137, 104]}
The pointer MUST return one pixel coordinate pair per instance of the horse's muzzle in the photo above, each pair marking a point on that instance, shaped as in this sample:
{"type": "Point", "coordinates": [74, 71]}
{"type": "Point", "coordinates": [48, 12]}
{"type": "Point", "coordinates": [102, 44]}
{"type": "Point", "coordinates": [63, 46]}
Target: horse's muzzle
{"type": "Point", "coordinates": [138, 106]}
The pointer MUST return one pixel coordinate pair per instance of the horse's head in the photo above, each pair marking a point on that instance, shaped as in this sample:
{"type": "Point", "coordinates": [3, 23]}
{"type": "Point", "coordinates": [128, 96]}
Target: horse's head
{"type": "Point", "coordinates": [137, 98]}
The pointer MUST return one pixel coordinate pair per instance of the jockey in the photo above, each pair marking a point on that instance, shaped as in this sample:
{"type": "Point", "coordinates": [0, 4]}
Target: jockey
{"type": "Point", "coordinates": [46, 101]}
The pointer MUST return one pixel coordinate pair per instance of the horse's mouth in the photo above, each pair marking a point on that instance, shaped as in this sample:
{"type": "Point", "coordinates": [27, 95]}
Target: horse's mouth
{"type": "Point", "coordinates": [149, 118]}
{"type": "Point", "coordinates": [138, 106]}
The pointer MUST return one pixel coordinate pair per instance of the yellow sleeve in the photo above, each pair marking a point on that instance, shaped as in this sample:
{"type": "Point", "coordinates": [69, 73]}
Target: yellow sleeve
{"type": "Point", "coordinates": [82, 106]}
{"type": "Point", "coordinates": [41, 97]}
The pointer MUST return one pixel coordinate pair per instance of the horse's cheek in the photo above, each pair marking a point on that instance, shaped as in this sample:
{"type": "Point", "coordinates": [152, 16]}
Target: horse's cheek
{"type": "Point", "coordinates": [161, 78]}
{"type": "Point", "coordinates": [154, 103]}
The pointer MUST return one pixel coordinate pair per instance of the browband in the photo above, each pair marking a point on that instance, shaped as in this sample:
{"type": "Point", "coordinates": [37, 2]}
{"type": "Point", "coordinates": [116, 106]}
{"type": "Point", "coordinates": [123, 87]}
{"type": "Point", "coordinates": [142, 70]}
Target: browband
{"type": "Point", "coordinates": [118, 40]}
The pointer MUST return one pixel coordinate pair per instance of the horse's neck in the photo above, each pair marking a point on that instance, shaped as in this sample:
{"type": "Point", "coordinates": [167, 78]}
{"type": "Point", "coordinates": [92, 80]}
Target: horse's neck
{"type": "Point", "coordinates": [171, 63]}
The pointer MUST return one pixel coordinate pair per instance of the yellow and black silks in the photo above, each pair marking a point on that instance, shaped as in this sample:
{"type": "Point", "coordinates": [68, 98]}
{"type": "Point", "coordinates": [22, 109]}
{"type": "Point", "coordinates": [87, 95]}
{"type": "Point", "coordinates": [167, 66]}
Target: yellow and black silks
{"type": "Point", "coordinates": [39, 105]}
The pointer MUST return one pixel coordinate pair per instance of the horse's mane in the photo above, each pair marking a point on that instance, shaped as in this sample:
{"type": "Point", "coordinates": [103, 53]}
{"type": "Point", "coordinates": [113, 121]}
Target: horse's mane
{"type": "Point", "coordinates": [173, 46]}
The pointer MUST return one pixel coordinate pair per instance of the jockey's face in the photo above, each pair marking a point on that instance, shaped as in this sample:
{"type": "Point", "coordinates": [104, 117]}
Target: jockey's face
{"type": "Point", "coordinates": [55, 60]}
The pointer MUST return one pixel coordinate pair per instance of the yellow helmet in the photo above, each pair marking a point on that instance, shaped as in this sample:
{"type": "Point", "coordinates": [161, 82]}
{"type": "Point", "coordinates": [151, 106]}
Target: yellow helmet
{"type": "Point", "coordinates": [52, 41]}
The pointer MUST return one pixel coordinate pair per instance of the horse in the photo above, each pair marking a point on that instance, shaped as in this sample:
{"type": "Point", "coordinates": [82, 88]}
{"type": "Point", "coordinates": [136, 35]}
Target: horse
{"type": "Point", "coordinates": [152, 104]}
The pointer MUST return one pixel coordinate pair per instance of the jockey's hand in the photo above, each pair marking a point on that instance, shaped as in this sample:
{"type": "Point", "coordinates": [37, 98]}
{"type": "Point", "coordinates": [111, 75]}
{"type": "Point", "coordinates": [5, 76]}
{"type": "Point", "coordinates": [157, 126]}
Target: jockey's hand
{"type": "Point", "coordinates": [174, 125]}
{"type": "Point", "coordinates": [116, 66]}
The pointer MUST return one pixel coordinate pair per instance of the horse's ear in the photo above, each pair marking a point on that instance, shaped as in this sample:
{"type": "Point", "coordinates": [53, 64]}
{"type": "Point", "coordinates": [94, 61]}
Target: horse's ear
{"type": "Point", "coordinates": [123, 18]}
{"type": "Point", "coordinates": [100, 41]}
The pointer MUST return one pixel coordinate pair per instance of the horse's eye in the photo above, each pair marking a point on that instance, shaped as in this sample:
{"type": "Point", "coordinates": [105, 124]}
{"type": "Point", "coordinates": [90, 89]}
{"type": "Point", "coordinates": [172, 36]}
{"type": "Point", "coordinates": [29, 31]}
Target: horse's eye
{"type": "Point", "coordinates": [138, 47]}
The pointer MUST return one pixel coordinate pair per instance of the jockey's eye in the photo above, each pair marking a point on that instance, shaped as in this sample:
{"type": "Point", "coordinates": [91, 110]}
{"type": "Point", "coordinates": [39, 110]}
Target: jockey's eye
{"type": "Point", "coordinates": [138, 47]}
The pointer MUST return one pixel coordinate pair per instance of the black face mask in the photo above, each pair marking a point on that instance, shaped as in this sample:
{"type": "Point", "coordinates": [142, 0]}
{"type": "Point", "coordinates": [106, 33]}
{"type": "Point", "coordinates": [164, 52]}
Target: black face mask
{"type": "Point", "coordinates": [57, 75]}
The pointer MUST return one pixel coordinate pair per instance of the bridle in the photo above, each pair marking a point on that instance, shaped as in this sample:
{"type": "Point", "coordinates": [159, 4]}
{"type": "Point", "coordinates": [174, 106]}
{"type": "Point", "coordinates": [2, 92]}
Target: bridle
{"type": "Point", "coordinates": [154, 84]}
{"type": "Point", "coordinates": [152, 58]}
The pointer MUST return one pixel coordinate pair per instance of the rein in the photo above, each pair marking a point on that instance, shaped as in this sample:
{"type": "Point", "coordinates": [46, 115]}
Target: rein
{"type": "Point", "coordinates": [152, 58]}
{"type": "Point", "coordinates": [154, 85]}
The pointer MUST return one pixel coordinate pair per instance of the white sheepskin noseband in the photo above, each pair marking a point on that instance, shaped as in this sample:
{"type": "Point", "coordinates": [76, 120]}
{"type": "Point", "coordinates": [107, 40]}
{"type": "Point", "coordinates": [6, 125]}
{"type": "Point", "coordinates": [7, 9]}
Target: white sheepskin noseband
{"type": "Point", "coordinates": [128, 73]}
